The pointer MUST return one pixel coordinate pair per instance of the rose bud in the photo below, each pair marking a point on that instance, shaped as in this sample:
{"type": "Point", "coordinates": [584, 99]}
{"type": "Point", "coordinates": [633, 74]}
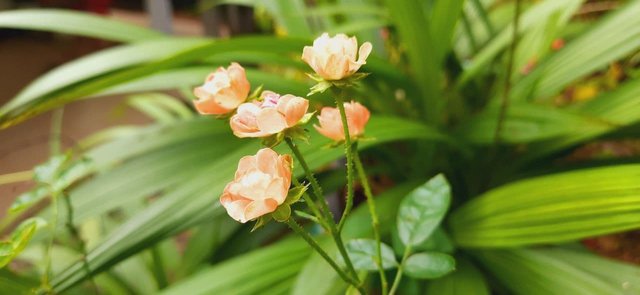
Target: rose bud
{"type": "Point", "coordinates": [272, 115]}
{"type": "Point", "coordinates": [223, 91]}
{"type": "Point", "coordinates": [261, 185]}
{"type": "Point", "coordinates": [331, 123]}
{"type": "Point", "coordinates": [334, 58]}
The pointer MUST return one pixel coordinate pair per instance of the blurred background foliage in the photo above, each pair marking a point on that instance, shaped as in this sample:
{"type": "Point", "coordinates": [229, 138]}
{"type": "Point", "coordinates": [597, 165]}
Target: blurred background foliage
{"type": "Point", "coordinates": [538, 136]}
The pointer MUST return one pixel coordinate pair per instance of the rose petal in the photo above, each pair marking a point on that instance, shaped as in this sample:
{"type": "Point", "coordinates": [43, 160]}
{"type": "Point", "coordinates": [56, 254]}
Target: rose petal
{"type": "Point", "coordinates": [270, 121]}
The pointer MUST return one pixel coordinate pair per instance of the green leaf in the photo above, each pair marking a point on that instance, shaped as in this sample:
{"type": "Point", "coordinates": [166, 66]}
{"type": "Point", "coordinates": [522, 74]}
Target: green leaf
{"type": "Point", "coordinates": [551, 209]}
{"type": "Point", "coordinates": [21, 236]}
{"type": "Point", "coordinates": [422, 210]}
{"type": "Point", "coordinates": [102, 62]}
{"type": "Point", "coordinates": [252, 273]}
{"type": "Point", "coordinates": [194, 200]}
{"type": "Point", "coordinates": [613, 38]}
{"type": "Point", "coordinates": [362, 253]}
{"type": "Point", "coordinates": [515, 269]}
{"type": "Point", "coordinates": [415, 32]}
{"type": "Point", "coordinates": [140, 59]}
{"type": "Point", "coordinates": [525, 122]}
{"type": "Point", "coordinates": [438, 241]}
{"type": "Point", "coordinates": [282, 213]}
{"type": "Point", "coordinates": [429, 265]}
{"type": "Point", "coordinates": [465, 280]}
{"type": "Point", "coordinates": [622, 276]}
{"type": "Point", "coordinates": [618, 108]}
{"type": "Point", "coordinates": [443, 19]}
{"type": "Point", "coordinates": [75, 23]}
{"type": "Point", "coordinates": [6, 253]}
{"type": "Point", "coordinates": [295, 194]}
{"type": "Point", "coordinates": [535, 16]}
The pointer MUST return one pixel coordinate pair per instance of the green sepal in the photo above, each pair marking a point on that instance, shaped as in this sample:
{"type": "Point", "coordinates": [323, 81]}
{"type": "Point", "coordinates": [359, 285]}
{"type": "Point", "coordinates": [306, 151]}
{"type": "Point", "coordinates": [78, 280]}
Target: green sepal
{"type": "Point", "coordinates": [306, 215]}
{"type": "Point", "coordinates": [282, 213]}
{"type": "Point", "coordinates": [273, 140]}
{"type": "Point", "coordinates": [321, 87]}
{"type": "Point", "coordinates": [295, 194]}
{"type": "Point", "coordinates": [261, 221]}
{"type": "Point", "coordinates": [255, 95]}
{"type": "Point", "coordinates": [297, 133]}
{"type": "Point", "coordinates": [306, 118]}
{"type": "Point", "coordinates": [350, 81]}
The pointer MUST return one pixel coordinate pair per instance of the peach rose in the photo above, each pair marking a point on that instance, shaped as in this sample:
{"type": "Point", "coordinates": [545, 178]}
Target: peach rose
{"type": "Point", "coordinates": [331, 123]}
{"type": "Point", "coordinates": [223, 91]}
{"type": "Point", "coordinates": [261, 184]}
{"type": "Point", "coordinates": [272, 115]}
{"type": "Point", "coordinates": [334, 58]}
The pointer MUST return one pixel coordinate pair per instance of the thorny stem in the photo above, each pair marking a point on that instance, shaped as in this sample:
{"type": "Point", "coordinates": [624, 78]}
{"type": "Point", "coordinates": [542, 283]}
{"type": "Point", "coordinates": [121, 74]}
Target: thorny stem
{"type": "Point", "coordinates": [348, 151]}
{"type": "Point", "coordinates": [374, 217]}
{"type": "Point", "coordinates": [317, 190]}
{"type": "Point", "coordinates": [398, 278]}
{"type": "Point", "coordinates": [309, 239]}
{"type": "Point", "coordinates": [333, 230]}
{"type": "Point", "coordinates": [313, 206]}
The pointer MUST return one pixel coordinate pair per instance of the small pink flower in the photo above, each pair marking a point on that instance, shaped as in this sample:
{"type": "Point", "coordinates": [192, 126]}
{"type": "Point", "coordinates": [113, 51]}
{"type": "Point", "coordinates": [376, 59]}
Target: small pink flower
{"type": "Point", "coordinates": [223, 91]}
{"type": "Point", "coordinates": [272, 115]}
{"type": "Point", "coordinates": [261, 184]}
{"type": "Point", "coordinates": [331, 124]}
{"type": "Point", "coordinates": [334, 58]}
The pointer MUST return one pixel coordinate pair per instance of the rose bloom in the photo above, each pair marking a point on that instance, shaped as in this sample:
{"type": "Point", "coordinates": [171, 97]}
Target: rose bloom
{"type": "Point", "coordinates": [261, 184]}
{"type": "Point", "coordinates": [272, 115]}
{"type": "Point", "coordinates": [334, 58]}
{"type": "Point", "coordinates": [222, 91]}
{"type": "Point", "coordinates": [331, 123]}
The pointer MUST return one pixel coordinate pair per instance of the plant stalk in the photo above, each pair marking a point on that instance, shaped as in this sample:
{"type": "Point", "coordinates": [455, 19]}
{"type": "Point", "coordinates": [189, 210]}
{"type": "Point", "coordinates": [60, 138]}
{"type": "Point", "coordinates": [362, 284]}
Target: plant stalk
{"type": "Point", "coordinates": [398, 278]}
{"type": "Point", "coordinates": [374, 217]}
{"type": "Point", "coordinates": [348, 151]}
{"type": "Point", "coordinates": [333, 230]}
{"type": "Point", "coordinates": [309, 239]}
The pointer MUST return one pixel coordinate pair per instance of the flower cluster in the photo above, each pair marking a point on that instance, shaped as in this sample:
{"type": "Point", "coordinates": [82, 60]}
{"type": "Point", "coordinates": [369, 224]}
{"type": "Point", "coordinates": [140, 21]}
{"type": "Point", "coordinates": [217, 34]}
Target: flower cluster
{"type": "Point", "coordinates": [262, 182]}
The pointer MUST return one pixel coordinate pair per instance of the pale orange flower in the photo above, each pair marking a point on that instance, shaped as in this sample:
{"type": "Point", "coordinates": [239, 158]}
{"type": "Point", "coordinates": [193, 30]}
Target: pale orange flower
{"type": "Point", "coordinates": [272, 115]}
{"type": "Point", "coordinates": [334, 58]}
{"type": "Point", "coordinates": [223, 91]}
{"type": "Point", "coordinates": [331, 123]}
{"type": "Point", "coordinates": [261, 184]}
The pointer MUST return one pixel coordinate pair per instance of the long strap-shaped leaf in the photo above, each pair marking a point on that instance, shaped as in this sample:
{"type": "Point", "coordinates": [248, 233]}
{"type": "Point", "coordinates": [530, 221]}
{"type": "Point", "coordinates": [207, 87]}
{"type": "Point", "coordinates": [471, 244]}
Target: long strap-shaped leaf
{"type": "Point", "coordinates": [81, 78]}
{"type": "Point", "coordinates": [75, 23]}
{"type": "Point", "coordinates": [195, 199]}
{"type": "Point", "coordinates": [533, 272]}
{"type": "Point", "coordinates": [611, 39]}
{"type": "Point", "coordinates": [552, 209]}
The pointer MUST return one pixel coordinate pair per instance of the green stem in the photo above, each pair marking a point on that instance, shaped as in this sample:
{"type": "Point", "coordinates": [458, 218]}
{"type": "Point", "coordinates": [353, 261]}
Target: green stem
{"type": "Point", "coordinates": [317, 189]}
{"type": "Point", "coordinates": [313, 206]}
{"type": "Point", "coordinates": [374, 217]}
{"type": "Point", "coordinates": [299, 230]}
{"type": "Point", "coordinates": [333, 230]}
{"type": "Point", "coordinates": [349, 156]}
{"type": "Point", "coordinates": [398, 278]}
{"type": "Point", "coordinates": [54, 222]}
{"type": "Point", "coordinates": [157, 267]}
{"type": "Point", "coordinates": [75, 234]}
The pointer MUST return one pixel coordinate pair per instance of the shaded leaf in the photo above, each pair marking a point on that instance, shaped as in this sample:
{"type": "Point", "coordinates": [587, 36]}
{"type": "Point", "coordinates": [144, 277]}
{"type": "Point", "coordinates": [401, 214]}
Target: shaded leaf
{"type": "Point", "coordinates": [422, 210]}
{"type": "Point", "coordinates": [429, 265]}
{"type": "Point", "coordinates": [363, 255]}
